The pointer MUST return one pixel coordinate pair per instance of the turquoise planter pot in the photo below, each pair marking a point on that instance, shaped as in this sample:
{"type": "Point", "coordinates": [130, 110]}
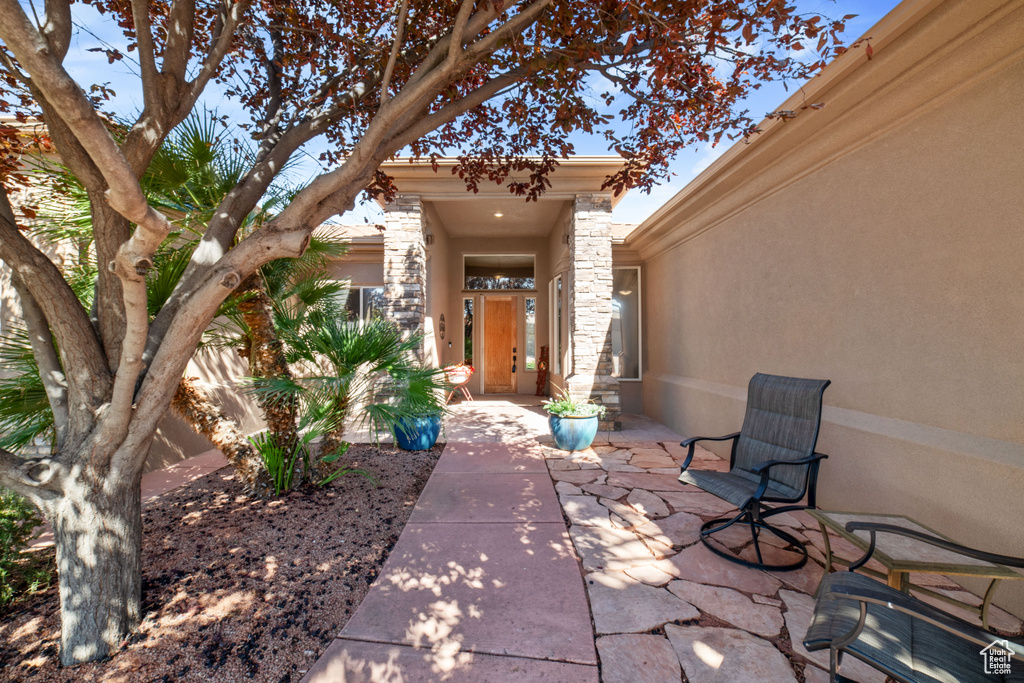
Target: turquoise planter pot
{"type": "Point", "coordinates": [573, 433]}
{"type": "Point", "coordinates": [418, 433]}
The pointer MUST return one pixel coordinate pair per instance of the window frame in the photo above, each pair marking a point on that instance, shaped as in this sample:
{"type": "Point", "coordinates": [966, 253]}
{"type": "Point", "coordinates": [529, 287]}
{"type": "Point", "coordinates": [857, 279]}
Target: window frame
{"type": "Point", "coordinates": [555, 316]}
{"type": "Point", "coordinates": [532, 256]}
{"type": "Point", "coordinates": [639, 321]}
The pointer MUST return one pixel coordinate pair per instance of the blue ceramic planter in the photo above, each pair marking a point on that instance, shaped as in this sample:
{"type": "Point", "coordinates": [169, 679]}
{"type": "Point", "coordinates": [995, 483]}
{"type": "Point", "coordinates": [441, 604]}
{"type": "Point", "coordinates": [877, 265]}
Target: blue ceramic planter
{"type": "Point", "coordinates": [573, 433]}
{"type": "Point", "coordinates": [418, 433]}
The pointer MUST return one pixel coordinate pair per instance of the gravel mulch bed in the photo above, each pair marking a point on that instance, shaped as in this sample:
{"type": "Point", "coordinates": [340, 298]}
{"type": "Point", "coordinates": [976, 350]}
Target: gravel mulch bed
{"type": "Point", "coordinates": [237, 589]}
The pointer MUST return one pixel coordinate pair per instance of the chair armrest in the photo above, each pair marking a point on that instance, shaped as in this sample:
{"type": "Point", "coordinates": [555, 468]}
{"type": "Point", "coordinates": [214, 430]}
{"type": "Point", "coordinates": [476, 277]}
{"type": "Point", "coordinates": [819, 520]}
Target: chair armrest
{"type": "Point", "coordinates": [876, 527]}
{"type": "Point", "coordinates": [878, 594]}
{"type": "Point", "coordinates": [689, 443]}
{"type": "Point", "coordinates": [763, 467]}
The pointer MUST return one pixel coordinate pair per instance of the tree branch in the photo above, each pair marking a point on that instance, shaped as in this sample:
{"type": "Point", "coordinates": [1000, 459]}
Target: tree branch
{"type": "Point", "coordinates": [57, 26]}
{"type": "Point", "coordinates": [147, 56]}
{"type": "Point", "coordinates": [232, 13]}
{"type": "Point", "coordinates": [124, 192]}
{"type": "Point", "coordinates": [50, 371]}
{"type": "Point", "coordinates": [180, 28]}
{"type": "Point", "coordinates": [459, 29]}
{"type": "Point", "coordinates": [515, 25]}
{"type": "Point", "coordinates": [396, 44]}
{"type": "Point", "coordinates": [453, 110]}
{"type": "Point", "coordinates": [34, 478]}
{"type": "Point", "coordinates": [80, 350]}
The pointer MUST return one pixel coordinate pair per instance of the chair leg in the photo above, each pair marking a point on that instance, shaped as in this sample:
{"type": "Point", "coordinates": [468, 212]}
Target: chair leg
{"type": "Point", "coordinates": [757, 523]}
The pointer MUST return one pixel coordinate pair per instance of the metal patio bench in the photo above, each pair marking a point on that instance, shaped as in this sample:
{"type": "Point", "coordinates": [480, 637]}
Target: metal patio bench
{"type": "Point", "coordinates": [772, 461]}
{"type": "Point", "coordinates": [903, 637]}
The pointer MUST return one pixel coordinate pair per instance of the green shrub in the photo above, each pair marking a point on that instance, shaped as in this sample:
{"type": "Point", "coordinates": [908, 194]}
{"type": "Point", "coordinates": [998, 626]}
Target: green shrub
{"type": "Point", "coordinates": [564, 405]}
{"type": "Point", "coordinates": [20, 572]}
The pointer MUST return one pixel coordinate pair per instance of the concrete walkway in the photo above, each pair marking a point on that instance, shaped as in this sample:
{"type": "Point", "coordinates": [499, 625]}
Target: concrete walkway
{"type": "Point", "coordinates": [483, 584]}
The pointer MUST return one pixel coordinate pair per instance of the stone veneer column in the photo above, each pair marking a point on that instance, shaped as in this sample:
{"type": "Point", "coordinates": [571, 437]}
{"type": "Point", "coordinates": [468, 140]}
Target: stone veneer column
{"type": "Point", "coordinates": [405, 264]}
{"type": "Point", "coordinates": [590, 304]}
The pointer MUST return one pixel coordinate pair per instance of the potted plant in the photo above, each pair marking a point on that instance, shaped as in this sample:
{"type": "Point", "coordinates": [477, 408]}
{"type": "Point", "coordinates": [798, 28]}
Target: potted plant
{"type": "Point", "coordinates": [573, 421]}
{"type": "Point", "coordinates": [418, 432]}
{"type": "Point", "coordinates": [418, 411]}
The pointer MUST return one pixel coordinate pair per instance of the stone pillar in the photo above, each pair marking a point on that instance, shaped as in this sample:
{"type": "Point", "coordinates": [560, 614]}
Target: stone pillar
{"type": "Point", "coordinates": [590, 305]}
{"type": "Point", "coordinates": [405, 264]}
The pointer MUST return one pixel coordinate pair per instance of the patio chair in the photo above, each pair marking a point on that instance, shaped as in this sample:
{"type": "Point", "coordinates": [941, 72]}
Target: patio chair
{"type": "Point", "coordinates": [903, 637]}
{"type": "Point", "coordinates": [772, 461]}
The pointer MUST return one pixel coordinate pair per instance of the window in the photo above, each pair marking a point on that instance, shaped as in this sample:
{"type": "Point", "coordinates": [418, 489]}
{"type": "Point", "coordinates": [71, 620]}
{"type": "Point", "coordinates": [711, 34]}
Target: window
{"type": "Point", "coordinates": [556, 325]}
{"type": "Point", "coordinates": [626, 323]}
{"type": "Point", "coordinates": [365, 303]}
{"type": "Point", "coordinates": [467, 325]}
{"type": "Point", "coordinates": [531, 333]}
{"type": "Point", "coordinates": [502, 271]}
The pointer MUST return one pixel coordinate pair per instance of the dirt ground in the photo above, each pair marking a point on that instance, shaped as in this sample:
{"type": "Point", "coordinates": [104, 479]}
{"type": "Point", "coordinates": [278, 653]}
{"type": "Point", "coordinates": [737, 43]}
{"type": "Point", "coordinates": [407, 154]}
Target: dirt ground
{"type": "Point", "coordinates": [237, 589]}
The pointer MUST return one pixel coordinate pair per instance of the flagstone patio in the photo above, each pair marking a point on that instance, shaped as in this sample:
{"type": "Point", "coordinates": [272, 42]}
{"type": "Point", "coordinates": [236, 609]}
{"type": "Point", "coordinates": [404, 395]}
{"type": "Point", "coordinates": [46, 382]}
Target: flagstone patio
{"type": "Point", "coordinates": [484, 583]}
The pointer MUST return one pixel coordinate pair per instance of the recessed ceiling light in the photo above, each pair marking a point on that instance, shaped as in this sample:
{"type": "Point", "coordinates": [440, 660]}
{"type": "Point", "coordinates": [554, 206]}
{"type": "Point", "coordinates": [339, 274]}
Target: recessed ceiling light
{"type": "Point", "coordinates": [499, 214]}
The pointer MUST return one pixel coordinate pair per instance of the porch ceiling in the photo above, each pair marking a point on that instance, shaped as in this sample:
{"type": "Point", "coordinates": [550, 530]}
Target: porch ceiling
{"type": "Point", "coordinates": [464, 214]}
{"type": "Point", "coordinates": [468, 218]}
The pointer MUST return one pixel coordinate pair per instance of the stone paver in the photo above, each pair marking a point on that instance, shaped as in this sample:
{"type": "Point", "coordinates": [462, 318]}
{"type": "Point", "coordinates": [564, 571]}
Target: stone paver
{"type": "Point", "coordinates": [698, 503]}
{"type": "Point", "coordinates": [699, 564]}
{"type": "Point", "coordinates": [631, 517]}
{"type": "Point", "coordinates": [579, 477]}
{"type": "Point", "coordinates": [621, 604]}
{"type": "Point", "coordinates": [564, 488]}
{"type": "Point", "coordinates": [637, 659]}
{"type": "Point", "coordinates": [677, 530]}
{"type": "Point", "coordinates": [646, 481]}
{"type": "Point", "coordinates": [730, 605]}
{"type": "Point", "coordinates": [605, 491]}
{"type": "Point", "coordinates": [647, 504]}
{"type": "Point", "coordinates": [726, 655]}
{"type": "Point", "coordinates": [585, 511]}
{"type": "Point", "coordinates": [609, 548]}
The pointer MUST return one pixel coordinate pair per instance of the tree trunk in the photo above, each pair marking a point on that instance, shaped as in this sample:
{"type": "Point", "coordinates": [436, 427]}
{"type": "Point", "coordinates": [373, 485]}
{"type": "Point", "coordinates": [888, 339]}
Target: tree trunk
{"type": "Point", "coordinates": [266, 360]}
{"type": "Point", "coordinates": [98, 535]}
{"type": "Point", "coordinates": [207, 419]}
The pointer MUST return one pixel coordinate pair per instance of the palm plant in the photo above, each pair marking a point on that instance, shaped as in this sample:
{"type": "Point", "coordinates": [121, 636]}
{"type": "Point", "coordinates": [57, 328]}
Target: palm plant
{"type": "Point", "coordinates": [349, 368]}
{"type": "Point", "coordinates": [187, 179]}
{"type": "Point", "coordinates": [25, 413]}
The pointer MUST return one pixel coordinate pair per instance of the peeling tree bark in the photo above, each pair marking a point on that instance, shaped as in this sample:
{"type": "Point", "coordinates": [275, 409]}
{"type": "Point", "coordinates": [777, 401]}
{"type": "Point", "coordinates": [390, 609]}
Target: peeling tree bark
{"type": "Point", "coordinates": [207, 419]}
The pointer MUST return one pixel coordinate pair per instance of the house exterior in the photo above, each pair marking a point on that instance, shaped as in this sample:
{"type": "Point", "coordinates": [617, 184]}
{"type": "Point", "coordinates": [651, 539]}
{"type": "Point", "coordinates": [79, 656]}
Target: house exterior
{"type": "Point", "coordinates": [490, 280]}
{"type": "Point", "coordinates": [876, 242]}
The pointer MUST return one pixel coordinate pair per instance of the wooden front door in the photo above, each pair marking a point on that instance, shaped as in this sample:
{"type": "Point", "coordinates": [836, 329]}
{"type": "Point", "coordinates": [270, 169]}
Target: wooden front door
{"type": "Point", "coordinates": [499, 344]}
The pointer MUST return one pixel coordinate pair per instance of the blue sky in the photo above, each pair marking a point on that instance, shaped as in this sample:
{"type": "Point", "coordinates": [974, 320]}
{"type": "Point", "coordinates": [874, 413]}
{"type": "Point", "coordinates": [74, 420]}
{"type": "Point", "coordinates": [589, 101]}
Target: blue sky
{"type": "Point", "coordinates": [92, 67]}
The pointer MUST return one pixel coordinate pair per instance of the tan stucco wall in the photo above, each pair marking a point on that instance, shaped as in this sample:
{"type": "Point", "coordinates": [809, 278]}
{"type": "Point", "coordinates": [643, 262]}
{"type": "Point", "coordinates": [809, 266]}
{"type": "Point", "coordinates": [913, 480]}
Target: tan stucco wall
{"type": "Point", "coordinates": [878, 243]}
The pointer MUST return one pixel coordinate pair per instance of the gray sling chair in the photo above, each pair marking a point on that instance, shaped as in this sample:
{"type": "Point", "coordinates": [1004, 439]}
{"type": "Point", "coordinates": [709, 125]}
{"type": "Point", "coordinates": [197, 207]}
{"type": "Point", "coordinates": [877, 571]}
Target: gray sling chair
{"type": "Point", "coordinates": [903, 637]}
{"type": "Point", "coordinates": [772, 461]}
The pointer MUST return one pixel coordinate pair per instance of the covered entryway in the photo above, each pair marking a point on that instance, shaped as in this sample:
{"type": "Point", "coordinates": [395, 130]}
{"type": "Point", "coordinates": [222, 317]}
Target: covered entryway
{"type": "Point", "coordinates": [500, 352]}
